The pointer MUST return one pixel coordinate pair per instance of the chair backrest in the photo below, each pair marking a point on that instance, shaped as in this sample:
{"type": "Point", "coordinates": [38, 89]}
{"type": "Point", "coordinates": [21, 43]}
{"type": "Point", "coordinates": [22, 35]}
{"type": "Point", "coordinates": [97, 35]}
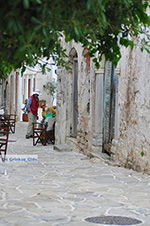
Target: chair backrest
{"type": "Point", "coordinates": [10, 120]}
{"type": "Point", "coordinates": [4, 134]}
{"type": "Point", "coordinates": [4, 123]}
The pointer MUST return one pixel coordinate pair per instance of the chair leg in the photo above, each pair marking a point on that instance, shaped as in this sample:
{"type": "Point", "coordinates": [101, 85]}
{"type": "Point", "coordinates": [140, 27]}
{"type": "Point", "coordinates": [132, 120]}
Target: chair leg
{"type": "Point", "coordinates": [3, 158]}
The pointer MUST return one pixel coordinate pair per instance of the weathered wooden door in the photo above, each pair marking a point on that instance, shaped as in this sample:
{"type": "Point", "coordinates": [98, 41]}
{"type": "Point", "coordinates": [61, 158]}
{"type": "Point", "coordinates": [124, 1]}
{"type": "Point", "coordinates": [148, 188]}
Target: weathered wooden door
{"type": "Point", "coordinates": [75, 98]}
{"type": "Point", "coordinates": [109, 101]}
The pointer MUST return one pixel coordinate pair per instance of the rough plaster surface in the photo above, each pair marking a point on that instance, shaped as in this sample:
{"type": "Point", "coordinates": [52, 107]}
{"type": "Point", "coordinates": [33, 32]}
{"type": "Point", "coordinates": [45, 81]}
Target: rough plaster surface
{"type": "Point", "coordinates": [132, 127]}
{"type": "Point", "coordinates": [85, 105]}
{"type": "Point", "coordinates": [132, 149]}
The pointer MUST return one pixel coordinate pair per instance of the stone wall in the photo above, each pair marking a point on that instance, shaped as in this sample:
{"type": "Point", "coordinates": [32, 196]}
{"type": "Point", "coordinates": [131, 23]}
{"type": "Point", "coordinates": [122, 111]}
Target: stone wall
{"type": "Point", "coordinates": [132, 149]}
{"type": "Point", "coordinates": [83, 140]}
{"type": "Point", "coordinates": [131, 143]}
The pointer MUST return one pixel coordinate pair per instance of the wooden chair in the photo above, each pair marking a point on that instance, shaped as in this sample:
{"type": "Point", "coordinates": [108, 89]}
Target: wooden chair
{"type": "Point", "coordinates": [9, 119]}
{"type": "Point", "coordinates": [4, 134]}
{"type": "Point", "coordinates": [3, 122]}
{"type": "Point", "coordinates": [12, 122]}
{"type": "Point", "coordinates": [39, 133]}
{"type": "Point", "coordinates": [44, 133]}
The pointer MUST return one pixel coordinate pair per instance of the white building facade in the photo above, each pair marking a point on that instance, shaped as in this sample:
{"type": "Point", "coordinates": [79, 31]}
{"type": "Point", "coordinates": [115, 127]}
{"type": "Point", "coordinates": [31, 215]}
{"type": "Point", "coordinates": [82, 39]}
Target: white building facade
{"type": "Point", "coordinates": [18, 88]}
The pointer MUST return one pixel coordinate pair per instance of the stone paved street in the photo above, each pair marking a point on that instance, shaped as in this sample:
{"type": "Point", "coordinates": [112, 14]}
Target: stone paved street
{"type": "Point", "coordinates": [64, 188]}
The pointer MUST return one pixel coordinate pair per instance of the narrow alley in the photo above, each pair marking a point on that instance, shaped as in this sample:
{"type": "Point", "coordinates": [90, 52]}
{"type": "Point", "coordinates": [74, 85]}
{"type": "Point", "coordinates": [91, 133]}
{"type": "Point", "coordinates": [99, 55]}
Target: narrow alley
{"type": "Point", "coordinates": [64, 188]}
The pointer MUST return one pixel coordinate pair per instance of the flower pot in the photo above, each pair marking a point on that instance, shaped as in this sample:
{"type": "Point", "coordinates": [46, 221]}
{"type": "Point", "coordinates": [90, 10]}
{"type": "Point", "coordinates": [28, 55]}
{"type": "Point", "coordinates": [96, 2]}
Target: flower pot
{"type": "Point", "coordinates": [25, 117]}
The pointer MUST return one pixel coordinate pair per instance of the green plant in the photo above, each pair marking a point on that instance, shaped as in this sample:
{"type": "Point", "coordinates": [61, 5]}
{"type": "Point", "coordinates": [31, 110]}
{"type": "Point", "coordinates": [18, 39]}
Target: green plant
{"type": "Point", "coordinates": [50, 88]}
{"type": "Point", "coordinates": [25, 105]}
{"type": "Point", "coordinates": [31, 29]}
{"type": "Point", "coordinates": [142, 153]}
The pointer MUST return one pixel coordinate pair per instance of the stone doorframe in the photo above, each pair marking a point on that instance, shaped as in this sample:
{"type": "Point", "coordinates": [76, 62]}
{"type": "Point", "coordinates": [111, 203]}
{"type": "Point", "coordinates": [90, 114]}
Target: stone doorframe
{"type": "Point", "coordinates": [97, 142]}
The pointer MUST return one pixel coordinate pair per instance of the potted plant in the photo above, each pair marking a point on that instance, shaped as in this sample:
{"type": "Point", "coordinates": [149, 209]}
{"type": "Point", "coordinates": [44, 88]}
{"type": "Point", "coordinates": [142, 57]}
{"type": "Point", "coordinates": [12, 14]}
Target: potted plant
{"type": "Point", "coordinates": [24, 115]}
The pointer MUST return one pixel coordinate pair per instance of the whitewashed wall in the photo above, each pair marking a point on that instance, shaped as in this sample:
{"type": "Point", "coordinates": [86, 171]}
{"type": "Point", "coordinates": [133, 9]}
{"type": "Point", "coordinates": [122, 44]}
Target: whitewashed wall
{"type": "Point", "coordinates": [132, 149]}
{"type": "Point", "coordinates": [132, 117]}
{"type": "Point", "coordinates": [37, 81]}
{"type": "Point", "coordinates": [86, 104]}
{"type": "Point", "coordinates": [17, 88]}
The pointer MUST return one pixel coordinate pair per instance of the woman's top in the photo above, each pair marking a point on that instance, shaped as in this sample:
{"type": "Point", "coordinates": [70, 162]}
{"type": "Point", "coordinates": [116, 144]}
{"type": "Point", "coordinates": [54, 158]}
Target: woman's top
{"type": "Point", "coordinates": [47, 116]}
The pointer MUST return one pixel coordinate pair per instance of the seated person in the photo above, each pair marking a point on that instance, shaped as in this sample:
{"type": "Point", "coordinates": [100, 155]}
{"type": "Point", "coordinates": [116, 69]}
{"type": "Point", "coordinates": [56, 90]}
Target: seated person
{"type": "Point", "coordinates": [50, 124]}
{"type": "Point", "coordinates": [43, 106]}
{"type": "Point", "coordinates": [53, 110]}
{"type": "Point", "coordinates": [48, 114]}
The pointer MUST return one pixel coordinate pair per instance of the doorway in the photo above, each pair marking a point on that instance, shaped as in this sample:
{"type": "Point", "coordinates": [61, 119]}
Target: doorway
{"type": "Point", "coordinates": [109, 102]}
{"type": "Point", "coordinates": [74, 61]}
